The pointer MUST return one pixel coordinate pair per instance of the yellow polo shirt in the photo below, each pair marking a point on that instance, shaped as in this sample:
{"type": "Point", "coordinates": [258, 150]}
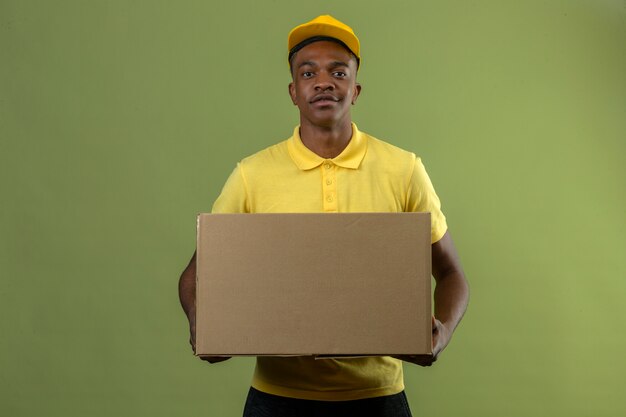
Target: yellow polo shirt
{"type": "Point", "coordinates": [368, 176]}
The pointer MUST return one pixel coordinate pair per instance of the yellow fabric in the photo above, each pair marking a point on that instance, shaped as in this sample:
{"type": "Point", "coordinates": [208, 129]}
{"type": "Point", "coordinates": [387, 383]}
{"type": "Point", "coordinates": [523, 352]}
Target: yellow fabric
{"type": "Point", "coordinates": [368, 176]}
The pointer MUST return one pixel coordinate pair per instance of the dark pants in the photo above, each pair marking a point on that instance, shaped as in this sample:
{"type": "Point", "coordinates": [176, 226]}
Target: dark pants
{"type": "Point", "coordinates": [260, 404]}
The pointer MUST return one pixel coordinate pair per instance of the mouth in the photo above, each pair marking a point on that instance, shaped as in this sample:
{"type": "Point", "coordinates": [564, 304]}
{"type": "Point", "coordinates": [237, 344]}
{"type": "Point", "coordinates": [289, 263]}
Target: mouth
{"type": "Point", "coordinates": [323, 99]}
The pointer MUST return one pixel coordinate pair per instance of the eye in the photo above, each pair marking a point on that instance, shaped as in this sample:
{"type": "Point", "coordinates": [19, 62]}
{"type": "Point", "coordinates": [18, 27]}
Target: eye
{"type": "Point", "coordinates": [307, 74]}
{"type": "Point", "coordinates": [339, 74]}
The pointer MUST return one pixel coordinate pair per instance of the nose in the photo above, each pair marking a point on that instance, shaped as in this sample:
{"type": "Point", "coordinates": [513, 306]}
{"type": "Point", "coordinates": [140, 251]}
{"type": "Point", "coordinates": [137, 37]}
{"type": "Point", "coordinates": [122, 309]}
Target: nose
{"type": "Point", "coordinates": [324, 82]}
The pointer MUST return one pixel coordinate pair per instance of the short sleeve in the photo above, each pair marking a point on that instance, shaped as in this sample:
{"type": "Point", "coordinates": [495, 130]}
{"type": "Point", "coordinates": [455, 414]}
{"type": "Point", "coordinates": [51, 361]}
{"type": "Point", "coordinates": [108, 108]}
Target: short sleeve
{"type": "Point", "coordinates": [234, 196]}
{"type": "Point", "coordinates": [421, 196]}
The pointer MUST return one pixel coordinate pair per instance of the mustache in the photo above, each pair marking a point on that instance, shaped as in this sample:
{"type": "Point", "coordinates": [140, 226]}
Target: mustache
{"type": "Point", "coordinates": [324, 96]}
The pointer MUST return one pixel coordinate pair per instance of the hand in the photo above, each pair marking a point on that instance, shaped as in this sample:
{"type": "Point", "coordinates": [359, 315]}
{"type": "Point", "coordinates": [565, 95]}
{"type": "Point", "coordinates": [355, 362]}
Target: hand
{"type": "Point", "coordinates": [214, 359]}
{"type": "Point", "coordinates": [192, 342]}
{"type": "Point", "coordinates": [441, 337]}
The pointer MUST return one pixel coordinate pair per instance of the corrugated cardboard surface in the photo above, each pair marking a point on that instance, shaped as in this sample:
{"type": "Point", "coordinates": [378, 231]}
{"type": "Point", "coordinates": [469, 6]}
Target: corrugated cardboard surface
{"type": "Point", "coordinates": [313, 284]}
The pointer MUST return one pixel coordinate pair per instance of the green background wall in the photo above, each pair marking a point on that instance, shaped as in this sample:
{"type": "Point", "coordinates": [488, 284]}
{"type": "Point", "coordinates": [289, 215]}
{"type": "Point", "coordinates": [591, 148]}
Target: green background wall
{"type": "Point", "coordinates": [119, 121]}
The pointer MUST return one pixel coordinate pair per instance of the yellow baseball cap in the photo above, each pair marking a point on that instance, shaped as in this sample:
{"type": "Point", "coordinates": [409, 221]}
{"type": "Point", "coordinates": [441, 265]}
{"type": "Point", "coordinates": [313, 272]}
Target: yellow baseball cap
{"type": "Point", "coordinates": [325, 25]}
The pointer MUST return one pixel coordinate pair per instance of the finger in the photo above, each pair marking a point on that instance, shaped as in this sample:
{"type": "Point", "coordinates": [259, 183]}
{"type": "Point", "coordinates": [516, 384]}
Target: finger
{"type": "Point", "coordinates": [421, 360]}
{"type": "Point", "coordinates": [214, 359]}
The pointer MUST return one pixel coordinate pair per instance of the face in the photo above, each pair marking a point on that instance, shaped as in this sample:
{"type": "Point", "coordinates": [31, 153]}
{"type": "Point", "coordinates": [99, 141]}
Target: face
{"type": "Point", "coordinates": [324, 83]}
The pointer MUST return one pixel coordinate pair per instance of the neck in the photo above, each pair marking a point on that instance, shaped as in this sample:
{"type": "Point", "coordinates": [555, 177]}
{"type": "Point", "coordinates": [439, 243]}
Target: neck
{"type": "Point", "coordinates": [326, 141]}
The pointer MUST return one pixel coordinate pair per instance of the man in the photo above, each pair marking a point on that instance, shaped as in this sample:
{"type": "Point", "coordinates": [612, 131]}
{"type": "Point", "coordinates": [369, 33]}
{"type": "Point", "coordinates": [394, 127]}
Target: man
{"type": "Point", "coordinates": [328, 165]}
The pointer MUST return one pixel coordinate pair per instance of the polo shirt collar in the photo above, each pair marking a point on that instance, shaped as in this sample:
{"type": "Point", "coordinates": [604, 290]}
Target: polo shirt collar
{"type": "Point", "coordinates": [350, 157]}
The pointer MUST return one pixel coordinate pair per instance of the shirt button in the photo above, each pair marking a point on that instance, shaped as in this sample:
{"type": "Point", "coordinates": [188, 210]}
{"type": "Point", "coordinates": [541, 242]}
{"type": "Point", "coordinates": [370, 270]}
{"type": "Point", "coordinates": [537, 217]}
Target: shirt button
{"type": "Point", "coordinates": [327, 165]}
{"type": "Point", "coordinates": [329, 199]}
{"type": "Point", "coordinates": [328, 182]}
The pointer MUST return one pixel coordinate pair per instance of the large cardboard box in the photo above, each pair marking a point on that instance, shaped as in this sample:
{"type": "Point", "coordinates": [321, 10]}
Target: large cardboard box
{"type": "Point", "coordinates": [313, 284]}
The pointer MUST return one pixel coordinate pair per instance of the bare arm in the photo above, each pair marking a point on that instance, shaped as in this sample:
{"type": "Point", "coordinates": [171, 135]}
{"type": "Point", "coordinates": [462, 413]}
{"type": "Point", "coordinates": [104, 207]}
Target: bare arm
{"type": "Point", "coordinates": [451, 291]}
{"type": "Point", "coordinates": [187, 290]}
{"type": "Point", "coordinates": [451, 297]}
{"type": "Point", "coordinates": [187, 295]}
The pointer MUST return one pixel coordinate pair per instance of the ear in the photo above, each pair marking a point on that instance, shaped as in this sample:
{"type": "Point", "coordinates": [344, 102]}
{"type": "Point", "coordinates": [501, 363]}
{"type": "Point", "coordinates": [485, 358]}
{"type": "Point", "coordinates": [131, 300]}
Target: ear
{"type": "Point", "coordinates": [357, 91]}
{"type": "Point", "coordinates": [292, 93]}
